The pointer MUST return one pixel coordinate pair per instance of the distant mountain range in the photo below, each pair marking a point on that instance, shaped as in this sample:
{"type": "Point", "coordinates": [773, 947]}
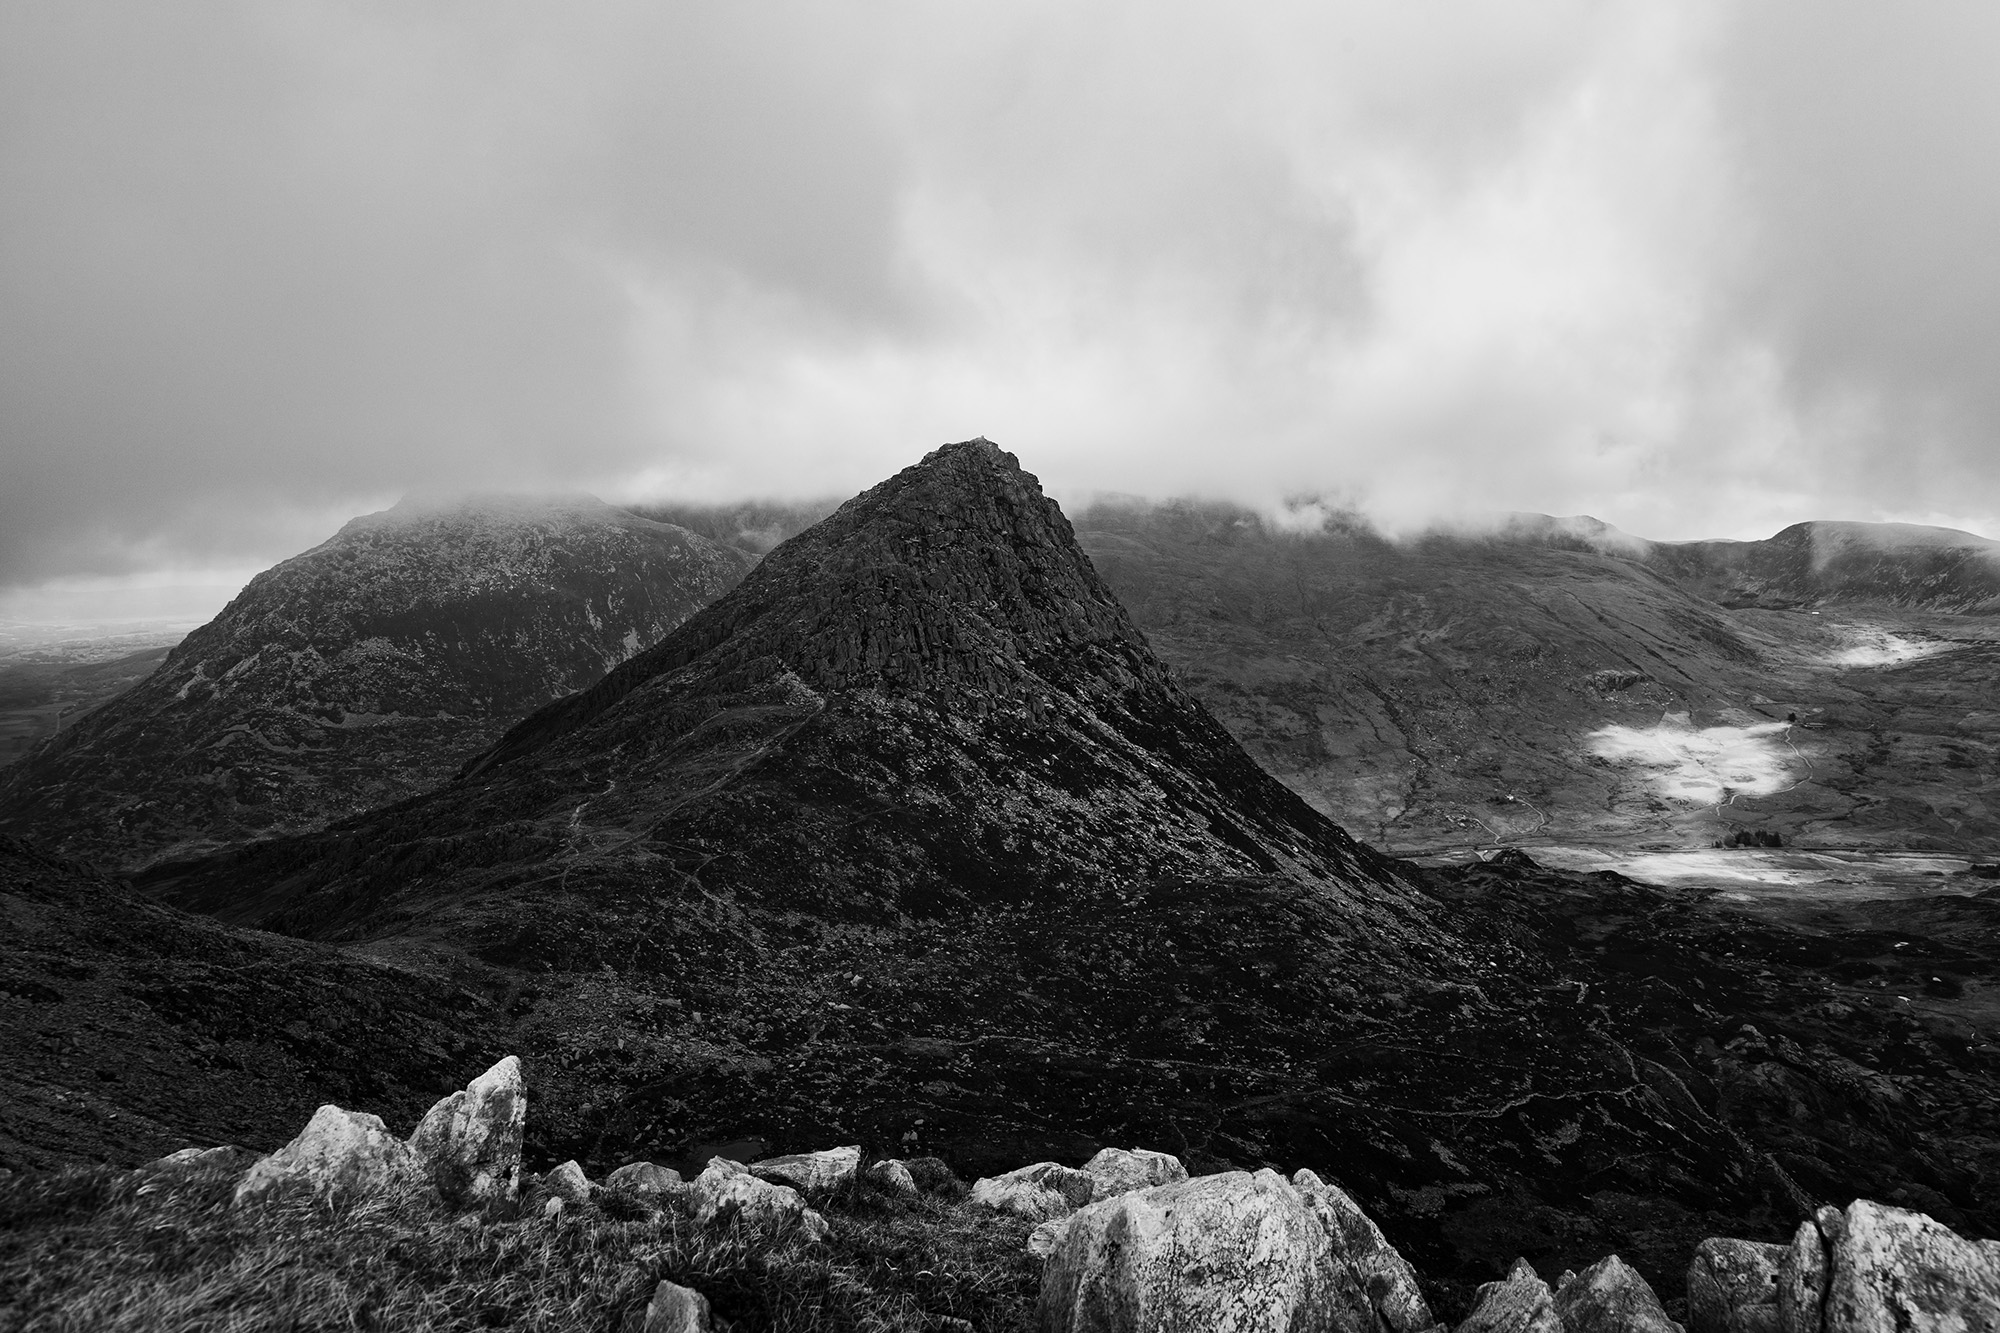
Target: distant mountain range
{"type": "Point", "coordinates": [362, 671]}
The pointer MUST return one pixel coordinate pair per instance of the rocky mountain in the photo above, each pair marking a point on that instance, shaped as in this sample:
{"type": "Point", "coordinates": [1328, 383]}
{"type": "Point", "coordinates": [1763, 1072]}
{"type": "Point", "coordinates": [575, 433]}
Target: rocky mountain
{"type": "Point", "coordinates": [1839, 564]}
{"type": "Point", "coordinates": [362, 671]}
{"type": "Point", "coordinates": [1557, 679]}
{"type": "Point", "coordinates": [912, 840]}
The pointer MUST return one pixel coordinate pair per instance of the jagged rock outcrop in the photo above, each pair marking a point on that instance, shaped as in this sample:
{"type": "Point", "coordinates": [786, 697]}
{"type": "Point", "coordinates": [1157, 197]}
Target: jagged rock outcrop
{"type": "Point", "coordinates": [338, 1154]}
{"type": "Point", "coordinates": [1372, 1263]}
{"type": "Point", "coordinates": [1872, 1267]}
{"type": "Point", "coordinates": [470, 1142]}
{"type": "Point", "coordinates": [1610, 1297]}
{"type": "Point", "coordinates": [825, 1170]}
{"type": "Point", "coordinates": [1732, 1287]}
{"type": "Point", "coordinates": [361, 671]}
{"type": "Point", "coordinates": [1519, 1303]}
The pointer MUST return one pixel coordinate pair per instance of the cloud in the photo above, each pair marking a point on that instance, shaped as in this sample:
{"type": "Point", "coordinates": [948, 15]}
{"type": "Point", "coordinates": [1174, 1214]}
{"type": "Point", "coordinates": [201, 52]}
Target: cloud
{"type": "Point", "coordinates": [1692, 269]}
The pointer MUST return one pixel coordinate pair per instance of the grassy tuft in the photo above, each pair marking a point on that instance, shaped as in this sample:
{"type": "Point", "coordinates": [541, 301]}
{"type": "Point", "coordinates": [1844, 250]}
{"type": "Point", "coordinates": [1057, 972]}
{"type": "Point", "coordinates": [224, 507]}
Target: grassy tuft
{"type": "Point", "coordinates": [108, 1251]}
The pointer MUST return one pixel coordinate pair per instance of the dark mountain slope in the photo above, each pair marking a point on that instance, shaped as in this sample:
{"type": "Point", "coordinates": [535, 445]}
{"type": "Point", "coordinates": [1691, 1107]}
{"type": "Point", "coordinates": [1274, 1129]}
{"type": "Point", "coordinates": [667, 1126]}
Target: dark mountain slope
{"type": "Point", "coordinates": [361, 671]}
{"type": "Point", "coordinates": [1827, 564]}
{"type": "Point", "coordinates": [133, 1030]}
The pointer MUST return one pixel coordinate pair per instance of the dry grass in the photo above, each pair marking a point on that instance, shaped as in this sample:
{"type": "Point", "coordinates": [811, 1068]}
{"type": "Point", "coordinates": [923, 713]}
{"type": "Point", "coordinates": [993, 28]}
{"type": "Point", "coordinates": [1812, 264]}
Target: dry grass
{"type": "Point", "coordinates": [101, 1250]}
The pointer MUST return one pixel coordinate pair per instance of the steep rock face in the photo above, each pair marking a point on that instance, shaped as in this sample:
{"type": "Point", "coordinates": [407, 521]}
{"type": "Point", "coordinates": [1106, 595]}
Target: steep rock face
{"type": "Point", "coordinates": [362, 671]}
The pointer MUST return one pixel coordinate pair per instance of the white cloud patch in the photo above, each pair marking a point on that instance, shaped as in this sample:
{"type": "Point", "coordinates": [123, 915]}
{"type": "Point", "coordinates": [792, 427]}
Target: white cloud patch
{"type": "Point", "coordinates": [1701, 765]}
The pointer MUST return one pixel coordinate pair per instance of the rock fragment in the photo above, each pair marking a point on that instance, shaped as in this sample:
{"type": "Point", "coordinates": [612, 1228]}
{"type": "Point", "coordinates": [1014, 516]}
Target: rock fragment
{"type": "Point", "coordinates": [677, 1309]}
{"type": "Point", "coordinates": [1117, 1170]}
{"type": "Point", "coordinates": [817, 1171]}
{"type": "Point", "coordinates": [1894, 1269]}
{"type": "Point", "coordinates": [726, 1192]}
{"type": "Point", "coordinates": [564, 1189]}
{"type": "Point", "coordinates": [1611, 1297]}
{"type": "Point", "coordinates": [226, 1157]}
{"type": "Point", "coordinates": [893, 1174]}
{"type": "Point", "coordinates": [1732, 1287]}
{"type": "Point", "coordinates": [470, 1142]}
{"type": "Point", "coordinates": [1038, 1192]}
{"type": "Point", "coordinates": [1519, 1303]}
{"type": "Point", "coordinates": [338, 1153]}
{"type": "Point", "coordinates": [646, 1178]}
{"type": "Point", "coordinates": [1802, 1279]}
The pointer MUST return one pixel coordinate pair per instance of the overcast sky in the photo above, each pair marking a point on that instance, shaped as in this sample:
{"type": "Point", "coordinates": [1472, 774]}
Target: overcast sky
{"type": "Point", "coordinates": [1698, 270]}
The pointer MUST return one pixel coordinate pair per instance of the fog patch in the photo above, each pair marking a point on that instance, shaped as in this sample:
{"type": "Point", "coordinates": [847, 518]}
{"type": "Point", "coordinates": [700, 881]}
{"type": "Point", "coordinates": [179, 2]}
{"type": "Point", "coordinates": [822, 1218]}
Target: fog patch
{"type": "Point", "coordinates": [1700, 765]}
{"type": "Point", "coordinates": [1876, 647]}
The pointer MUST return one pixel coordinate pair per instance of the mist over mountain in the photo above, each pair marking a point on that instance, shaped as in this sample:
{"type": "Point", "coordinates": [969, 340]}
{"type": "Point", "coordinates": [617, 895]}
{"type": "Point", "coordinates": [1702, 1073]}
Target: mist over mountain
{"type": "Point", "coordinates": [362, 671]}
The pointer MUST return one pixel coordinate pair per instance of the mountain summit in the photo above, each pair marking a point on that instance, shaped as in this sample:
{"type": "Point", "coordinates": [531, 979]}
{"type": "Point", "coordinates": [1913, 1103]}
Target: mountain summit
{"type": "Point", "coordinates": [363, 670]}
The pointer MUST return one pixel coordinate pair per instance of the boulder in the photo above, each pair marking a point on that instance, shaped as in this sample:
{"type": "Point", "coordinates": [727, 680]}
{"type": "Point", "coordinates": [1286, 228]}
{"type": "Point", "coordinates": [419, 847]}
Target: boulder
{"type": "Point", "coordinates": [564, 1189]}
{"type": "Point", "coordinates": [338, 1153]}
{"type": "Point", "coordinates": [1893, 1269]}
{"type": "Point", "coordinates": [1117, 1170]}
{"type": "Point", "coordinates": [1732, 1287]}
{"type": "Point", "coordinates": [1611, 1297]}
{"type": "Point", "coordinates": [725, 1192]}
{"type": "Point", "coordinates": [646, 1178]}
{"type": "Point", "coordinates": [1802, 1279]}
{"type": "Point", "coordinates": [470, 1142]}
{"type": "Point", "coordinates": [1042, 1241]}
{"type": "Point", "coordinates": [893, 1174]}
{"type": "Point", "coordinates": [1372, 1262]}
{"type": "Point", "coordinates": [677, 1309]}
{"type": "Point", "coordinates": [1233, 1252]}
{"type": "Point", "coordinates": [1037, 1192]}
{"type": "Point", "coordinates": [812, 1170]}
{"type": "Point", "coordinates": [1519, 1303]}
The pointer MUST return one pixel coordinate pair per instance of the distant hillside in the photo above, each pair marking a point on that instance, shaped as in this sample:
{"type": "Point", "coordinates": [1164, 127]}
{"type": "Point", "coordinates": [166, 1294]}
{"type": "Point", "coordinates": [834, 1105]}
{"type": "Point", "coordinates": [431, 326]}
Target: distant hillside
{"type": "Point", "coordinates": [362, 671]}
{"type": "Point", "coordinates": [1841, 564]}
{"type": "Point", "coordinates": [753, 526]}
{"type": "Point", "coordinates": [1456, 689]}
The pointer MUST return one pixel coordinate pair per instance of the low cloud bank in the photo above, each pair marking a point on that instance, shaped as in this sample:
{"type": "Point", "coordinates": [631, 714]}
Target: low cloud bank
{"type": "Point", "coordinates": [1701, 765]}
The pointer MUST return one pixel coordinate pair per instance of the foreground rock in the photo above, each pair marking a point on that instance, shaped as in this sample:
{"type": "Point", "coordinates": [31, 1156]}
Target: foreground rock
{"type": "Point", "coordinates": [1038, 1192]}
{"type": "Point", "coordinates": [726, 1192]}
{"type": "Point", "coordinates": [646, 1178]}
{"type": "Point", "coordinates": [224, 1158]}
{"type": "Point", "coordinates": [811, 1171]}
{"type": "Point", "coordinates": [894, 1175]}
{"type": "Point", "coordinates": [1610, 1297]}
{"type": "Point", "coordinates": [339, 1153]}
{"type": "Point", "coordinates": [564, 1189]}
{"type": "Point", "coordinates": [1371, 1261]}
{"type": "Point", "coordinates": [1235, 1251]}
{"type": "Point", "coordinates": [677, 1309]}
{"type": "Point", "coordinates": [1520, 1303]}
{"type": "Point", "coordinates": [1873, 1267]}
{"type": "Point", "coordinates": [1732, 1287]}
{"type": "Point", "coordinates": [1118, 1170]}
{"type": "Point", "coordinates": [470, 1142]}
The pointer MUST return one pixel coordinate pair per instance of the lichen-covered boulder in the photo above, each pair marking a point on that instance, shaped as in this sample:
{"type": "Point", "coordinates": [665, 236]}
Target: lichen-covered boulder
{"type": "Point", "coordinates": [338, 1153]}
{"type": "Point", "coordinates": [1889, 1268]}
{"type": "Point", "coordinates": [1117, 1170]}
{"type": "Point", "coordinates": [470, 1142]}
{"type": "Point", "coordinates": [646, 1178]}
{"type": "Point", "coordinates": [1611, 1297]}
{"type": "Point", "coordinates": [677, 1309]}
{"type": "Point", "coordinates": [1373, 1263]}
{"type": "Point", "coordinates": [1232, 1253]}
{"type": "Point", "coordinates": [1732, 1287]}
{"type": "Point", "coordinates": [1038, 1192]}
{"type": "Point", "coordinates": [1519, 1303]}
{"type": "Point", "coordinates": [821, 1171]}
{"type": "Point", "coordinates": [726, 1192]}
{"type": "Point", "coordinates": [894, 1175]}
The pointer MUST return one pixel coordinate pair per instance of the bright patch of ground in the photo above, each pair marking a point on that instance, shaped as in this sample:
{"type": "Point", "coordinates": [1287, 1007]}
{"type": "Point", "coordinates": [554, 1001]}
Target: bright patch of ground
{"type": "Point", "coordinates": [1701, 765]}
{"type": "Point", "coordinates": [1875, 647]}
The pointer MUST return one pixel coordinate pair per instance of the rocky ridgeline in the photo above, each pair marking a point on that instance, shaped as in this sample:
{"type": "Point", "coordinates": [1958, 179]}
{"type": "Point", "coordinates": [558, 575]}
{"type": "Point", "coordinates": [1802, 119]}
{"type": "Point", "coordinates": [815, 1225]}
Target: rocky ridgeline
{"type": "Point", "coordinates": [1130, 1242]}
{"type": "Point", "coordinates": [362, 671]}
